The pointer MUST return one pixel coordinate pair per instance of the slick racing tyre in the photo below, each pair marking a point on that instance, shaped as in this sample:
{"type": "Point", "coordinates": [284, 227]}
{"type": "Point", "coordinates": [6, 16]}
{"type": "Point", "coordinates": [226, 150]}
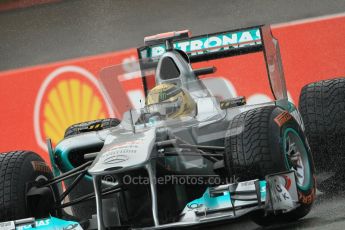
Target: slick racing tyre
{"type": "Point", "coordinates": [322, 106]}
{"type": "Point", "coordinates": [86, 209]}
{"type": "Point", "coordinates": [90, 126]}
{"type": "Point", "coordinates": [17, 169]}
{"type": "Point", "coordinates": [265, 141]}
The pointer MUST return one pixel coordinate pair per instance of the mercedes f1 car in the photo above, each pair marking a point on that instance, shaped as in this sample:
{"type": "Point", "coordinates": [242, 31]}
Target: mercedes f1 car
{"type": "Point", "coordinates": [185, 156]}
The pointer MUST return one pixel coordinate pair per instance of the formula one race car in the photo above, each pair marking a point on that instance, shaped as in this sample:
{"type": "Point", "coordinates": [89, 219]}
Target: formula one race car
{"type": "Point", "coordinates": [185, 156]}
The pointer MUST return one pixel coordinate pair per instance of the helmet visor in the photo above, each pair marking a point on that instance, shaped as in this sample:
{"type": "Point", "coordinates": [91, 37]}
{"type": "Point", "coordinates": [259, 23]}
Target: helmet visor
{"type": "Point", "coordinates": [166, 108]}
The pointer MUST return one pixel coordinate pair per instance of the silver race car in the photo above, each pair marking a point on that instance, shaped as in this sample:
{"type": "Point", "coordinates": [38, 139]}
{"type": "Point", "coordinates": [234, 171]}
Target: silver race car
{"type": "Point", "coordinates": [188, 154]}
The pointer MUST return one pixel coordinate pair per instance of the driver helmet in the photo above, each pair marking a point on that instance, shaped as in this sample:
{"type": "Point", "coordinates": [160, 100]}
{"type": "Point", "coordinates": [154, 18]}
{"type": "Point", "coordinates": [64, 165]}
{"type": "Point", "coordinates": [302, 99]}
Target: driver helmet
{"type": "Point", "coordinates": [173, 100]}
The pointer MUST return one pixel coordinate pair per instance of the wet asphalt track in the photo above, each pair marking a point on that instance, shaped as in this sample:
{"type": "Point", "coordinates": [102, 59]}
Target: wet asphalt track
{"type": "Point", "coordinates": [77, 28]}
{"type": "Point", "coordinates": [327, 212]}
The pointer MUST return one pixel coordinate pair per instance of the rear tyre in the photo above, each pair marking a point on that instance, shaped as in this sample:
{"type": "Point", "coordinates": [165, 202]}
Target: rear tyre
{"type": "Point", "coordinates": [322, 106]}
{"type": "Point", "coordinates": [85, 210]}
{"type": "Point", "coordinates": [17, 169]}
{"type": "Point", "coordinates": [268, 140]}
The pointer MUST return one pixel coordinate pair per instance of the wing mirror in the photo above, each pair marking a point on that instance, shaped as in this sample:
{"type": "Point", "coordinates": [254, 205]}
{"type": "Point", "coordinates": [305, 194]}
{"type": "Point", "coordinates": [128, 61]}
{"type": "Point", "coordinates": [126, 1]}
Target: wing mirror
{"type": "Point", "coordinates": [233, 102]}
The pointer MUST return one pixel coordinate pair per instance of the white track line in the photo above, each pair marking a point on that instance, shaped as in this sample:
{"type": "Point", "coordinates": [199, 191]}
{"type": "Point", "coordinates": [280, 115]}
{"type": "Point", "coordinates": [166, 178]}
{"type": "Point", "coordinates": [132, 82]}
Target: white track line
{"type": "Point", "coordinates": [308, 20]}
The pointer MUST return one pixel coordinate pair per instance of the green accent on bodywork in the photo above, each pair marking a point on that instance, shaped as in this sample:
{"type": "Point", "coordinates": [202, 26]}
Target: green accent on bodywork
{"type": "Point", "coordinates": [209, 43]}
{"type": "Point", "coordinates": [65, 164]}
{"type": "Point", "coordinates": [51, 223]}
{"type": "Point", "coordinates": [62, 155]}
{"type": "Point", "coordinates": [308, 185]}
{"type": "Point", "coordinates": [291, 107]}
{"type": "Point", "coordinates": [285, 104]}
{"type": "Point", "coordinates": [219, 202]}
{"type": "Point", "coordinates": [56, 171]}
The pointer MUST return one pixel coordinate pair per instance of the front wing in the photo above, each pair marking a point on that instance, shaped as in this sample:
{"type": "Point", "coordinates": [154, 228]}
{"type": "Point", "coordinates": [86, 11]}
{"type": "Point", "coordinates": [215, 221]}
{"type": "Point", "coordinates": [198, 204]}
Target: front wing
{"type": "Point", "coordinates": [277, 193]}
{"type": "Point", "coordinates": [50, 223]}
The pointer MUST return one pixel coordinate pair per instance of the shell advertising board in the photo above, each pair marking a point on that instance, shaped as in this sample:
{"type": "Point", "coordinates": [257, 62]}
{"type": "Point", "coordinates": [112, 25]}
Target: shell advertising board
{"type": "Point", "coordinates": [42, 101]}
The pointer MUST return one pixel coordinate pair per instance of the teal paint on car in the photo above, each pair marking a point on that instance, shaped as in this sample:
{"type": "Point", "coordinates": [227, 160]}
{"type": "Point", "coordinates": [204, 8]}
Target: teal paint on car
{"type": "Point", "coordinates": [211, 43]}
{"type": "Point", "coordinates": [223, 201]}
{"type": "Point", "coordinates": [304, 156]}
{"type": "Point", "coordinates": [52, 223]}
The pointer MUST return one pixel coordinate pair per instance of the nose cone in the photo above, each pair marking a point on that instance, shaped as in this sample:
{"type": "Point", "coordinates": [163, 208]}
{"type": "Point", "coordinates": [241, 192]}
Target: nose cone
{"type": "Point", "coordinates": [125, 152]}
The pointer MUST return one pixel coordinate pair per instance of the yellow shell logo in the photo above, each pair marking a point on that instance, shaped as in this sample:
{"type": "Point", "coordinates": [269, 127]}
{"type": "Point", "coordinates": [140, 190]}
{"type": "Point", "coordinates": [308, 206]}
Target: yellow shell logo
{"type": "Point", "coordinates": [70, 102]}
{"type": "Point", "coordinates": [69, 97]}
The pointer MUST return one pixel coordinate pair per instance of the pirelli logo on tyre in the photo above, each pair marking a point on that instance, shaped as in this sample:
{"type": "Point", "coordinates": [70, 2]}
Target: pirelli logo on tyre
{"type": "Point", "coordinates": [69, 95]}
{"type": "Point", "coordinates": [282, 118]}
{"type": "Point", "coordinates": [40, 166]}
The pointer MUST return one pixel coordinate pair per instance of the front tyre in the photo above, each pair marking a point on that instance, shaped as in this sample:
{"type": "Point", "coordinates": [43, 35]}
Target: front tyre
{"type": "Point", "coordinates": [17, 169]}
{"type": "Point", "coordinates": [268, 140]}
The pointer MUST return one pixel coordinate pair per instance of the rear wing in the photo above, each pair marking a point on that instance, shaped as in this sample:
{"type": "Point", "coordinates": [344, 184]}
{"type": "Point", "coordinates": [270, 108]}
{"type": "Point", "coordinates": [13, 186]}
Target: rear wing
{"type": "Point", "coordinates": [220, 45]}
{"type": "Point", "coordinates": [208, 46]}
